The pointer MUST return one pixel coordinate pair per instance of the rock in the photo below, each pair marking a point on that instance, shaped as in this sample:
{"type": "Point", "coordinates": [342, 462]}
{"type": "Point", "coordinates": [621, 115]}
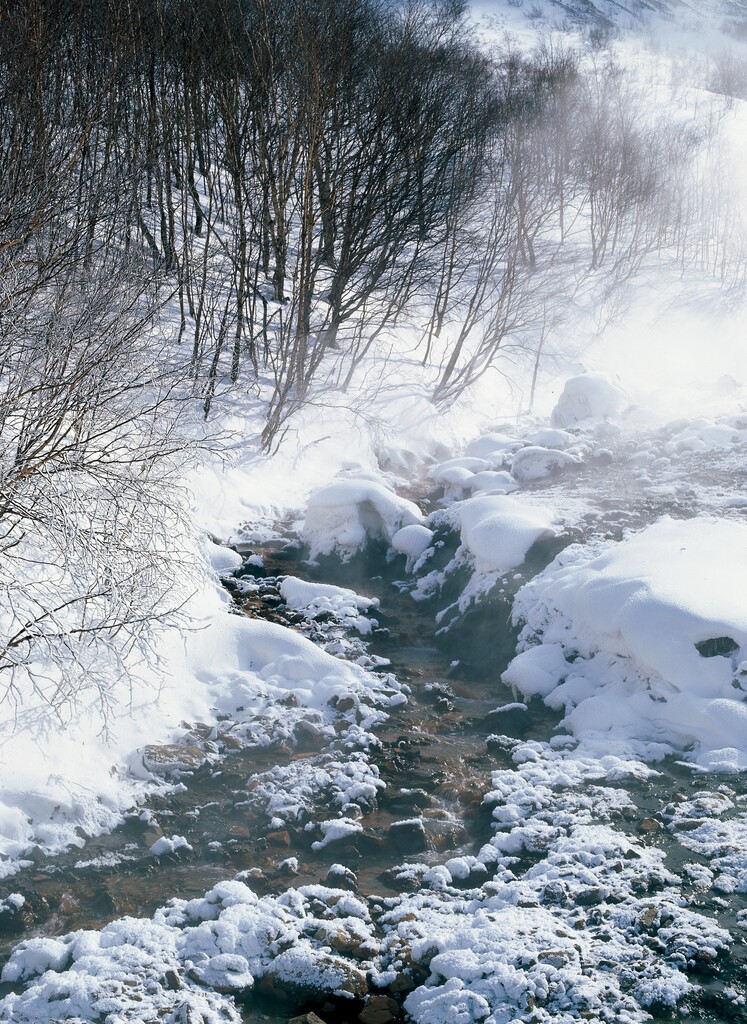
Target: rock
{"type": "Point", "coordinates": [172, 759]}
{"type": "Point", "coordinates": [447, 834]}
{"type": "Point", "coordinates": [406, 801]}
{"type": "Point", "coordinates": [555, 894]}
{"type": "Point", "coordinates": [152, 835]}
{"type": "Point", "coordinates": [379, 1010]}
{"type": "Point", "coordinates": [308, 735]}
{"type": "Point", "coordinates": [224, 972]}
{"type": "Point", "coordinates": [590, 897]}
{"type": "Point", "coordinates": [279, 838]}
{"type": "Point", "coordinates": [322, 975]}
{"type": "Point", "coordinates": [409, 836]}
{"type": "Point", "coordinates": [306, 1018]}
{"type": "Point", "coordinates": [509, 720]}
{"type": "Point", "coordinates": [649, 825]}
{"type": "Point", "coordinates": [649, 916]}
{"type": "Point", "coordinates": [340, 877]}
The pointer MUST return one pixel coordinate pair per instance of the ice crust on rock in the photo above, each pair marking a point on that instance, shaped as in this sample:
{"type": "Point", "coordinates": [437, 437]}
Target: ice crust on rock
{"type": "Point", "coordinates": [625, 632]}
{"type": "Point", "coordinates": [344, 516]}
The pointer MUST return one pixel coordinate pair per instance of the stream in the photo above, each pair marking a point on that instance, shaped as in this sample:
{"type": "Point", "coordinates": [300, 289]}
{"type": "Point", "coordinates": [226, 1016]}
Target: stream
{"type": "Point", "coordinates": [436, 756]}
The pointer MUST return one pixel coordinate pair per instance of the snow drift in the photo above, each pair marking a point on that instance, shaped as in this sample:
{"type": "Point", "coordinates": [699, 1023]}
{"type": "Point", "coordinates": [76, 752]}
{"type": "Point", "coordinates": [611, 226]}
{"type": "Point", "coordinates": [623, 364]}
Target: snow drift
{"type": "Point", "coordinates": [644, 640]}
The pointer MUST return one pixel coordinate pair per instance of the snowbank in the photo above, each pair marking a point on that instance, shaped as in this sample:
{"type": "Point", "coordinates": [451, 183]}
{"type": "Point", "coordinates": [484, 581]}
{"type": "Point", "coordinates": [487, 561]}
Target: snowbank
{"type": "Point", "coordinates": [645, 640]}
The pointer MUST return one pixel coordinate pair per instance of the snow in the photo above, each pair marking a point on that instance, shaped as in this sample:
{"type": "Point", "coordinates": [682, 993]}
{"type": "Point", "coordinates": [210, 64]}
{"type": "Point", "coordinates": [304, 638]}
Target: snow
{"type": "Point", "coordinates": [166, 845]}
{"type": "Point", "coordinates": [535, 462]}
{"type": "Point", "coordinates": [345, 515]}
{"type": "Point", "coordinates": [412, 541]}
{"type": "Point", "coordinates": [619, 627]}
{"type": "Point", "coordinates": [323, 598]}
{"type": "Point", "coordinates": [498, 530]}
{"type": "Point", "coordinates": [609, 640]}
{"type": "Point", "coordinates": [588, 397]}
{"type": "Point", "coordinates": [491, 446]}
{"type": "Point", "coordinates": [336, 829]}
{"type": "Point", "coordinates": [135, 970]}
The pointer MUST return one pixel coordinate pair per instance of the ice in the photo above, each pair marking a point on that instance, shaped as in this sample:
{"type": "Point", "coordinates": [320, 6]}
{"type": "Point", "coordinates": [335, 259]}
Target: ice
{"type": "Point", "coordinates": [653, 631]}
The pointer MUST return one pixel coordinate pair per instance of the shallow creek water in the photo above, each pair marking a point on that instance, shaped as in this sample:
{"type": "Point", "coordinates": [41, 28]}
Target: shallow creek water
{"type": "Point", "coordinates": [435, 759]}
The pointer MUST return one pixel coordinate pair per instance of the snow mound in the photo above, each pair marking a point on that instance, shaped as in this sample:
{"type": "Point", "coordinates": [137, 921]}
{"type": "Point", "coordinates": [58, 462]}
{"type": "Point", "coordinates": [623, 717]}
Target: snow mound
{"type": "Point", "coordinates": [412, 541]}
{"type": "Point", "coordinates": [342, 517]}
{"type": "Point", "coordinates": [590, 396]}
{"type": "Point", "coordinates": [250, 659]}
{"type": "Point", "coordinates": [488, 446]}
{"type": "Point", "coordinates": [552, 437]}
{"type": "Point", "coordinates": [644, 640]}
{"type": "Point", "coordinates": [470, 475]}
{"type": "Point", "coordinates": [498, 531]}
{"type": "Point", "coordinates": [535, 462]}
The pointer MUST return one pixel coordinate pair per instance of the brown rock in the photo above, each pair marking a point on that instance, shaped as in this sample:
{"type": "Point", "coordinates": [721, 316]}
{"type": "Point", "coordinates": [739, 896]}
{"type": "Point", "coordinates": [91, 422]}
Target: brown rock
{"type": "Point", "coordinates": [306, 1018]}
{"type": "Point", "coordinates": [279, 838]}
{"type": "Point", "coordinates": [649, 916]}
{"type": "Point", "coordinates": [379, 1010]}
{"type": "Point", "coordinates": [649, 825]}
{"type": "Point", "coordinates": [172, 758]}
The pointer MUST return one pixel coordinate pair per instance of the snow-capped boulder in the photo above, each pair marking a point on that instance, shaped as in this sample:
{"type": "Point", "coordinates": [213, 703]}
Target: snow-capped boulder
{"type": "Point", "coordinates": [344, 516]}
{"type": "Point", "coordinates": [588, 397]}
{"type": "Point", "coordinates": [535, 463]}
{"type": "Point", "coordinates": [412, 541]}
{"type": "Point", "coordinates": [498, 530]}
{"type": "Point", "coordinates": [489, 444]}
{"type": "Point", "coordinates": [552, 437]}
{"type": "Point", "coordinates": [495, 481]}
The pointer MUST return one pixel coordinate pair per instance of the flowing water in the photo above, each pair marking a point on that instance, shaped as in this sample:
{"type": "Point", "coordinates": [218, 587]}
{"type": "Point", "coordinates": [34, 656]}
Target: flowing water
{"type": "Point", "coordinates": [435, 757]}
